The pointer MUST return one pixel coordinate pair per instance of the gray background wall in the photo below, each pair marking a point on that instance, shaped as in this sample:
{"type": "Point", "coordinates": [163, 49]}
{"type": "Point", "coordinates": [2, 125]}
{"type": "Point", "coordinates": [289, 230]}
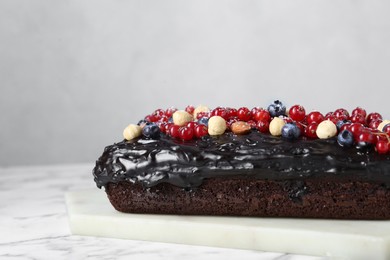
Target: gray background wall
{"type": "Point", "coordinates": [74, 73]}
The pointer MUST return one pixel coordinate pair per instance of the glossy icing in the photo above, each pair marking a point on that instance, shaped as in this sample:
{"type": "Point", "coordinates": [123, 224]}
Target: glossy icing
{"type": "Point", "coordinates": [255, 155]}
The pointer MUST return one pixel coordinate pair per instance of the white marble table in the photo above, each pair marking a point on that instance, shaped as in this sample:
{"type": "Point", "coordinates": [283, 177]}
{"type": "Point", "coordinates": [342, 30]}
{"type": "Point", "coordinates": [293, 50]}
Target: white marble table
{"type": "Point", "coordinates": [34, 224]}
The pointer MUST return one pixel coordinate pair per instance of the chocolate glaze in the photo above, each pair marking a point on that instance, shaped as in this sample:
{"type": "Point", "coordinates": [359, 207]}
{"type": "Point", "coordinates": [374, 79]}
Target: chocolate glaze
{"type": "Point", "coordinates": [255, 155]}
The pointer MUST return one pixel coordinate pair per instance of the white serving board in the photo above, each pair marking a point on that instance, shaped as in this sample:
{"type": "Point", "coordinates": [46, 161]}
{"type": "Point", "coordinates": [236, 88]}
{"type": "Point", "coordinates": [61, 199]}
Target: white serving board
{"type": "Point", "coordinates": [91, 214]}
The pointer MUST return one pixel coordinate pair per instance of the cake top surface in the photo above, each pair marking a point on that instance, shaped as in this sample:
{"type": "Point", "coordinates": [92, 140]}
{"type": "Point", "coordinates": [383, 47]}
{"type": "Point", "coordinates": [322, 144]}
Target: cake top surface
{"type": "Point", "coordinates": [184, 147]}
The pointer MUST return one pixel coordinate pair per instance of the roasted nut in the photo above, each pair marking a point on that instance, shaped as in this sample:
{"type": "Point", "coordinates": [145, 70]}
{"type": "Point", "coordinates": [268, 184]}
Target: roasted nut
{"type": "Point", "coordinates": [276, 125]}
{"type": "Point", "coordinates": [240, 128]}
{"type": "Point", "coordinates": [181, 117]}
{"type": "Point", "coordinates": [132, 131]}
{"type": "Point", "coordinates": [326, 129]}
{"type": "Point", "coordinates": [217, 125]}
{"type": "Point", "coordinates": [200, 108]}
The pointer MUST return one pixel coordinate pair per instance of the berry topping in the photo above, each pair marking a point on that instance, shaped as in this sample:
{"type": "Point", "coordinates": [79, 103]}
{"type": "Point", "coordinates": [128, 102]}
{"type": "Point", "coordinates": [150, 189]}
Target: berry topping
{"type": "Point", "coordinates": [345, 138]}
{"type": "Point", "coordinates": [203, 121]}
{"type": "Point", "coordinates": [310, 130]}
{"type": "Point", "coordinates": [262, 115]}
{"type": "Point", "coordinates": [244, 114]}
{"type": "Point", "coordinates": [340, 123]}
{"type": "Point", "coordinates": [373, 117]}
{"type": "Point", "coordinates": [359, 111]}
{"type": "Point", "coordinates": [365, 139]}
{"type": "Point", "coordinates": [297, 113]}
{"type": "Point", "coordinates": [190, 109]}
{"type": "Point", "coordinates": [174, 131]}
{"type": "Point", "coordinates": [358, 118]}
{"type": "Point", "coordinates": [383, 146]}
{"type": "Point", "coordinates": [315, 117]}
{"type": "Point", "coordinates": [220, 111]}
{"type": "Point", "coordinates": [200, 130]}
{"type": "Point", "coordinates": [277, 109]}
{"type": "Point", "coordinates": [169, 112]}
{"type": "Point", "coordinates": [186, 133]}
{"type": "Point", "coordinates": [263, 126]}
{"type": "Point", "coordinates": [341, 114]}
{"type": "Point", "coordinates": [355, 128]}
{"type": "Point", "coordinates": [290, 131]}
{"type": "Point", "coordinates": [151, 131]}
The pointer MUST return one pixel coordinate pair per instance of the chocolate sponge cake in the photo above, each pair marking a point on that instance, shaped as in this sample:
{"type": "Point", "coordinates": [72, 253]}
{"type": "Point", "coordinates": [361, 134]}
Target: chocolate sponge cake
{"type": "Point", "coordinates": [262, 164]}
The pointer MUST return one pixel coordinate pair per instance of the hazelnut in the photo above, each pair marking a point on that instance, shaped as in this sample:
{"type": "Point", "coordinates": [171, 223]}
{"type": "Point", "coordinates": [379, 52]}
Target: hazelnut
{"type": "Point", "coordinates": [276, 125]}
{"type": "Point", "coordinates": [181, 117]}
{"type": "Point", "coordinates": [132, 131]}
{"type": "Point", "coordinates": [217, 125]}
{"type": "Point", "coordinates": [240, 128]}
{"type": "Point", "coordinates": [326, 129]}
{"type": "Point", "coordinates": [200, 108]}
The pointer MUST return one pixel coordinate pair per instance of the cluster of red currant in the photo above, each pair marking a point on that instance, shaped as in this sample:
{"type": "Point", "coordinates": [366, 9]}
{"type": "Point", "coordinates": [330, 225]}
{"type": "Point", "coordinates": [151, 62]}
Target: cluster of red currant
{"type": "Point", "coordinates": [362, 128]}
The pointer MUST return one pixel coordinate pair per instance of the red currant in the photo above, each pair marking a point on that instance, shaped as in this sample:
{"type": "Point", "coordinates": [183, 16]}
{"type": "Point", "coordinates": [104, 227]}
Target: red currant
{"type": "Point", "coordinates": [244, 114]}
{"type": "Point", "coordinates": [366, 138]}
{"type": "Point", "coordinates": [190, 109]}
{"type": "Point", "coordinates": [151, 118]}
{"type": "Point", "coordinates": [174, 131]}
{"type": "Point", "coordinates": [220, 111]}
{"type": "Point", "coordinates": [159, 113]}
{"type": "Point", "coordinates": [341, 114]}
{"type": "Point", "coordinates": [310, 130]}
{"type": "Point", "coordinates": [192, 125]}
{"type": "Point", "coordinates": [163, 119]}
{"type": "Point", "coordinates": [358, 118]}
{"type": "Point", "coordinates": [262, 115]}
{"type": "Point", "coordinates": [359, 111]}
{"type": "Point", "coordinates": [169, 112]}
{"type": "Point", "coordinates": [186, 133]}
{"type": "Point", "coordinates": [345, 126]}
{"type": "Point", "coordinates": [374, 124]}
{"type": "Point", "coordinates": [314, 117]}
{"type": "Point", "coordinates": [252, 123]}
{"type": "Point", "coordinates": [263, 126]}
{"type": "Point", "coordinates": [356, 129]}
{"type": "Point", "coordinates": [383, 146]}
{"type": "Point", "coordinates": [200, 130]}
{"type": "Point", "coordinates": [167, 127]}
{"type": "Point", "coordinates": [254, 111]}
{"type": "Point", "coordinates": [202, 114]}
{"type": "Point", "coordinates": [231, 112]}
{"type": "Point", "coordinates": [332, 118]}
{"type": "Point", "coordinates": [297, 113]}
{"type": "Point", "coordinates": [373, 117]}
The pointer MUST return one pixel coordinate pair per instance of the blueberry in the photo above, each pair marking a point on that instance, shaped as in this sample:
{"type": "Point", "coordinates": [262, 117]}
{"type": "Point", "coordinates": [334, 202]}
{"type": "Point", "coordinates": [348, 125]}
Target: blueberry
{"type": "Point", "coordinates": [142, 122]}
{"type": "Point", "coordinates": [203, 121]}
{"type": "Point", "coordinates": [345, 138]}
{"type": "Point", "coordinates": [291, 131]}
{"type": "Point", "coordinates": [340, 123]}
{"type": "Point", "coordinates": [277, 109]}
{"type": "Point", "coordinates": [151, 131]}
{"type": "Point", "coordinates": [170, 120]}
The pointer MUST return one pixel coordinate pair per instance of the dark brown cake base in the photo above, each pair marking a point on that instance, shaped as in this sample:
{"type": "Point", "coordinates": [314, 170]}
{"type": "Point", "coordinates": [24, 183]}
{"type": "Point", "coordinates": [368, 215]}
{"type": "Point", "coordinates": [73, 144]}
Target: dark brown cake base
{"type": "Point", "coordinates": [311, 198]}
